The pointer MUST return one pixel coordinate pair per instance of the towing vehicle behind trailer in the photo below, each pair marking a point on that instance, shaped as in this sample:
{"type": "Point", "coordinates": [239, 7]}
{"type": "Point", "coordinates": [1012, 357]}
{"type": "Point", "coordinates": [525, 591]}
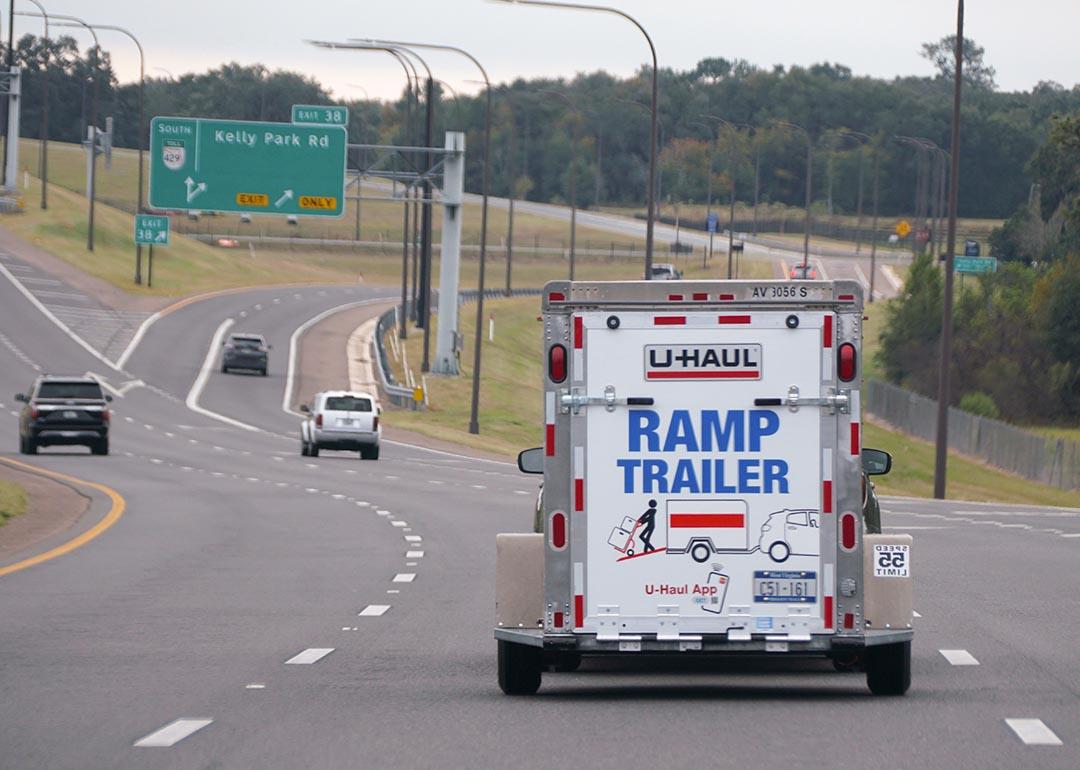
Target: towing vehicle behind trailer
{"type": "Point", "coordinates": [703, 487]}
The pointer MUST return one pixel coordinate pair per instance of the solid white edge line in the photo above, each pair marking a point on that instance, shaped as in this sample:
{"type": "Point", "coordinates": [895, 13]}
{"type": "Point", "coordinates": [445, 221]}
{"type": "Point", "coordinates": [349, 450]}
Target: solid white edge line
{"type": "Point", "coordinates": [121, 362]}
{"type": "Point", "coordinates": [60, 324]}
{"type": "Point", "coordinates": [193, 395]}
{"type": "Point", "coordinates": [294, 340]}
{"type": "Point", "coordinates": [1033, 732]}
{"type": "Point", "coordinates": [172, 733]}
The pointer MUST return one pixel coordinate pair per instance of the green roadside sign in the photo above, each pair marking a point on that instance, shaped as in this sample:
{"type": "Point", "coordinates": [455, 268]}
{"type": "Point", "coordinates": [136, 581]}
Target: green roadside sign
{"type": "Point", "coordinates": [320, 114]}
{"type": "Point", "coordinates": [243, 166]}
{"type": "Point", "coordinates": [151, 230]}
{"type": "Point", "coordinates": [974, 264]}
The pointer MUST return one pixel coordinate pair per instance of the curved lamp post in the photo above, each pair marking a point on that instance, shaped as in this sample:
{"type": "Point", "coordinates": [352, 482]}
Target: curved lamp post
{"type": "Point", "coordinates": [809, 186]}
{"type": "Point", "coordinates": [650, 197]}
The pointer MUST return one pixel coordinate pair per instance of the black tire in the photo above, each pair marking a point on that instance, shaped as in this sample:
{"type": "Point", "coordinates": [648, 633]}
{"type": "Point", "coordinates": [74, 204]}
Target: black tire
{"type": "Point", "coordinates": [313, 450]}
{"type": "Point", "coordinates": [31, 446]}
{"type": "Point", "coordinates": [100, 447]}
{"type": "Point", "coordinates": [888, 668]}
{"type": "Point", "coordinates": [304, 450]}
{"type": "Point", "coordinates": [224, 369]}
{"type": "Point", "coordinates": [263, 371]}
{"type": "Point", "coordinates": [374, 453]}
{"type": "Point", "coordinates": [700, 552]}
{"type": "Point", "coordinates": [519, 668]}
{"type": "Point", "coordinates": [784, 548]}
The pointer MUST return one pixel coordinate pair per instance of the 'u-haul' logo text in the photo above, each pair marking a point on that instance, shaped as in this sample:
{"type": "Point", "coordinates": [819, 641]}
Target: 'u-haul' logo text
{"type": "Point", "coordinates": [703, 362]}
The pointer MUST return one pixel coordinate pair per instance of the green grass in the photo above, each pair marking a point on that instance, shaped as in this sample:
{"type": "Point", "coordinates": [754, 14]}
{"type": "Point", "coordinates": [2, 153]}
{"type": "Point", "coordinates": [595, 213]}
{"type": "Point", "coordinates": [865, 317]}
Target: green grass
{"type": "Point", "coordinates": [1057, 431]}
{"type": "Point", "coordinates": [13, 500]}
{"type": "Point", "coordinates": [511, 397]}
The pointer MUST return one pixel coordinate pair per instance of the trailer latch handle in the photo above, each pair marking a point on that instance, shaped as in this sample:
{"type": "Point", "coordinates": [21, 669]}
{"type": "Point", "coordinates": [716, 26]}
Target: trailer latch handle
{"type": "Point", "coordinates": [836, 400]}
{"type": "Point", "coordinates": [571, 400]}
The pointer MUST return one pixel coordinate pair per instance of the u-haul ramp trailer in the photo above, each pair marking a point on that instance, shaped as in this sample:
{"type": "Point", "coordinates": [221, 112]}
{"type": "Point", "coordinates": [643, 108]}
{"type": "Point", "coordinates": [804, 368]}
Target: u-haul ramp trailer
{"type": "Point", "coordinates": [703, 485]}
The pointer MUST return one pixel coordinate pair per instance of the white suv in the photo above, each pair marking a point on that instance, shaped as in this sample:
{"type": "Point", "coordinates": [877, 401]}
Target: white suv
{"type": "Point", "coordinates": [340, 419]}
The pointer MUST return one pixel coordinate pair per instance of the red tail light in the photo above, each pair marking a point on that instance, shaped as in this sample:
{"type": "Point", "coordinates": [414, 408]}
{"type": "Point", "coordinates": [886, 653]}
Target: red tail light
{"type": "Point", "coordinates": [34, 413]}
{"type": "Point", "coordinates": [106, 415]}
{"type": "Point", "coordinates": [848, 532]}
{"type": "Point", "coordinates": [375, 422]}
{"type": "Point", "coordinates": [318, 420]}
{"type": "Point", "coordinates": [557, 363]}
{"type": "Point", "coordinates": [558, 530]}
{"type": "Point", "coordinates": [845, 362]}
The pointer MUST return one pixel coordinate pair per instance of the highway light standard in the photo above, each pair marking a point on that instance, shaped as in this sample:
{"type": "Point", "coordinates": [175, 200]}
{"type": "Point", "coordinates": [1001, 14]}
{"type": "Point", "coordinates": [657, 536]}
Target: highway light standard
{"type": "Point", "coordinates": [650, 192]}
{"type": "Point", "coordinates": [573, 170]}
{"type": "Point", "coordinates": [474, 414]}
{"type": "Point", "coordinates": [874, 142]}
{"type": "Point", "coordinates": [43, 164]}
{"type": "Point", "coordinates": [92, 163]}
{"type": "Point", "coordinates": [809, 187]}
{"type": "Point", "coordinates": [731, 178]}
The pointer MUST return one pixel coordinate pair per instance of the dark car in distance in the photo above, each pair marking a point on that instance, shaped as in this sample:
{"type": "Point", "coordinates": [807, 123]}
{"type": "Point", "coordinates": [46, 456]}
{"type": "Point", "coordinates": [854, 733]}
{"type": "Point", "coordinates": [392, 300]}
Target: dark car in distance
{"type": "Point", "coordinates": [64, 411]}
{"type": "Point", "coordinates": [245, 351]}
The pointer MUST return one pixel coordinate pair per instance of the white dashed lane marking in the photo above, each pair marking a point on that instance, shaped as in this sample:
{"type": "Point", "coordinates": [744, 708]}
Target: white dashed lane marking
{"type": "Point", "coordinates": [915, 614]}
{"type": "Point", "coordinates": [373, 611]}
{"type": "Point", "coordinates": [414, 554]}
{"type": "Point", "coordinates": [172, 733]}
{"type": "Point", "coordinates": [255, 686]}
{"type": "Point", "coordinates": [413, 538]}
{"type": "Point", "coordinates": [1033, 732]}
{"type": "Point", "coordinates": [399, 523]}
{"type": "Point", "coordinates": [404, 577]}
{"type": "Point", "coordinates": [959, 657]}
{"type": "Point", "coordinates": [310, 655]}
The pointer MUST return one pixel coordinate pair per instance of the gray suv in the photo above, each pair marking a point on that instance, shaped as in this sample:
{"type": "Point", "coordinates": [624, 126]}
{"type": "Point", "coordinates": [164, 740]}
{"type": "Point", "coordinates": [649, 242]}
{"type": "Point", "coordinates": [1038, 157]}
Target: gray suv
{"type": "Point", "coordinates": [245, 351]}
{"type": "Point", "coordinates": [64, 411]}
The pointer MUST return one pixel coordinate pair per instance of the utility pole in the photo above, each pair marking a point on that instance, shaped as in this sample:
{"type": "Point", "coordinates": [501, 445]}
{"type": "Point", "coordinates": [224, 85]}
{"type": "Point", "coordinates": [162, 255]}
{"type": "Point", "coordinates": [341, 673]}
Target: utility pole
{"type": "Point", "coordinates": [941, 447]}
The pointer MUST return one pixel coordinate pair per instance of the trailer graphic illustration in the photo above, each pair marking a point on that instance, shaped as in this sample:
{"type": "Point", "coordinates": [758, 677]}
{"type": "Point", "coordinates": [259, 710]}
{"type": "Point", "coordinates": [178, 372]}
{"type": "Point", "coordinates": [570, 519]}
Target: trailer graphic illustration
{"type": "Point", "coordinates": [702, 528]}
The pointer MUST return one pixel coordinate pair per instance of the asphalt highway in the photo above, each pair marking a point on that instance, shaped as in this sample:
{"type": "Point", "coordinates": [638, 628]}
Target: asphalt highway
{"type": "Point", "coordinates": [167, 640]}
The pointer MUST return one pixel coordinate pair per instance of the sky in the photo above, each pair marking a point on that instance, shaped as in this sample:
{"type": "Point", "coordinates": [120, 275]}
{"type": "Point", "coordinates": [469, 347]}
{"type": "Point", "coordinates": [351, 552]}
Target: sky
{"type": "Point", "coordinates": [1026, 42]}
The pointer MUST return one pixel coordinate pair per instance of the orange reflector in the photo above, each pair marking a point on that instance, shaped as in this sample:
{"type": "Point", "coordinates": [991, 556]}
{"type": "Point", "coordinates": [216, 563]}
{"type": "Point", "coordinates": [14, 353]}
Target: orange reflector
{"type": "Point", "coordinates": [558, 530]}
{"type": "Point", "coordinates": [557, 363]}
{"type": "Point", "coordinates": [848, 531]}
{"type": "Point", "coordinates": [845, 362]}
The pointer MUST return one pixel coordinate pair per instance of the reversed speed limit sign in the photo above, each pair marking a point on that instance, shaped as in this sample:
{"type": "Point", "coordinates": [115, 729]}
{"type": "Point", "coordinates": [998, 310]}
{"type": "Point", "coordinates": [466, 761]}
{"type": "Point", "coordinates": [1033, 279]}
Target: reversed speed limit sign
{"type": "Point", "coordinates": [892, 560]}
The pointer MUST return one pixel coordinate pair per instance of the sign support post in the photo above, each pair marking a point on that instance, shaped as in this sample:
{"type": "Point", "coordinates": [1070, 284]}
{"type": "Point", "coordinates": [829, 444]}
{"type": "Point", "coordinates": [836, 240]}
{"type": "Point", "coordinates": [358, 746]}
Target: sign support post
{"type": "Point", "coordinates": [446, 361]}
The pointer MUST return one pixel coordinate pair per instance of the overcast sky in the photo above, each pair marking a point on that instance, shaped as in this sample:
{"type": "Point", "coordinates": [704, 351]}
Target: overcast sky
{"type": "Point", "coordinates": [1025, 41]}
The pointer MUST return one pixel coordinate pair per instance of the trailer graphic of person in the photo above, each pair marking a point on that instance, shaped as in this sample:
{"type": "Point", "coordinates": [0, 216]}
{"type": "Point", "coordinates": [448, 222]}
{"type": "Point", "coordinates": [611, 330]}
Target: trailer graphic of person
{"type": "Point", "coordinates": [702, 528]}
{"type": "Point", "coordinates": [648, 522]}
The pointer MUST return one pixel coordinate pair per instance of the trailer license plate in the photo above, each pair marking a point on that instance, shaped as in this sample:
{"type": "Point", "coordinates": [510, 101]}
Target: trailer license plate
{"type": "Point", "coordinates": [788, 586]}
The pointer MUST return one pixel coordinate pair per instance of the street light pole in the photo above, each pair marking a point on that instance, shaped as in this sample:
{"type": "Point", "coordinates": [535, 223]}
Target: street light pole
{"type": "Point", "coordinates": [650, 193]}
{"type": "Point", "coordinates": [573, 171]}
{"type": "Point", "coordinates": [474, 413]}
{"type": "Point", "coordinates": [43, 161]}
{"type": "Point", "coordinates": [809, 187]}
{"type": "Point", "coordinates": [941, 445]}
{"type": "Point", "coordinates": [713, 139]}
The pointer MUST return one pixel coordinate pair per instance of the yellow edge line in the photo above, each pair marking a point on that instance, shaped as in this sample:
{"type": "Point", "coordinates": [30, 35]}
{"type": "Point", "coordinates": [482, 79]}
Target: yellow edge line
{"type": "Point", "coordinates": [113, 516]}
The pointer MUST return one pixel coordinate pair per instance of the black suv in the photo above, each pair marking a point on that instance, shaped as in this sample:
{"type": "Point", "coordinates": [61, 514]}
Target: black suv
{"type": "Point", "coordinates": [64, 411]}
{"type": "Point", "coordinates": [245, 351]}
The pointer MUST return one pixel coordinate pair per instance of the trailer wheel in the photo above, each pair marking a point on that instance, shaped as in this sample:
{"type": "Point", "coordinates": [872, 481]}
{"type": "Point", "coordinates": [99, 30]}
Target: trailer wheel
{"type": "Point", "coordinates": [888, 668]}
{"type": "Point", "coordinates": [519, 668]}
{"type": "Point", "coordinates": [700, 552]}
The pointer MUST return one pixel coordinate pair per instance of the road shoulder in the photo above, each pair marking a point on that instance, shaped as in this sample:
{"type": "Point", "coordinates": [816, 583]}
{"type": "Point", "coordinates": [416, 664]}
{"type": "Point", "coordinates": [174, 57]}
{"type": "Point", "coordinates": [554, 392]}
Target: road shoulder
{"type": "Point", "coordinates": [53, 507]}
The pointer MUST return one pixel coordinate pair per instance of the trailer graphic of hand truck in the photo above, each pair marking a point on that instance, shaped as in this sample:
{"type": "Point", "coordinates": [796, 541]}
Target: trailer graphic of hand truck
{"type": "Point", "coordinates": [622, 539]}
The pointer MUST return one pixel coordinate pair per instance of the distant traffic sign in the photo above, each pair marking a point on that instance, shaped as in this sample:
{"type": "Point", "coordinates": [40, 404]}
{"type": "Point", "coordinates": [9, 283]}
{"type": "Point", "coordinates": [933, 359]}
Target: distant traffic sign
{"type": "Point", "coordinates": [711, 222]}
{"type": "Point", "coordinates": [259, 168]}
{"type": "Point", "coordinates": [903, 228]}
{"type": "Point", "coordinates": [320, 114]}
{"type": "Point", "coordinates": [975, 264]}
{"type": "Point", "coordinates": [151, 230]}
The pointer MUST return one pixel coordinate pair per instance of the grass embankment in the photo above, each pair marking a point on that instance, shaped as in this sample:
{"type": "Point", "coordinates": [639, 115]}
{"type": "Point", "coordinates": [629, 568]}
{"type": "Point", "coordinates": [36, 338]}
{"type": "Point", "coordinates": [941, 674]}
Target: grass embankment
{"type": "Point", "coordinates": [13, 500]}
{"type": "Point", "coordinates": [511, 412]}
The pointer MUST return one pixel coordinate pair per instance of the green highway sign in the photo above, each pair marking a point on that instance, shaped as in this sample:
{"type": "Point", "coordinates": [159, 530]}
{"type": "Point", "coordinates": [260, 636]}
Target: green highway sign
{"type": "Point", "coordinates": [320, 114]}
{"type": "Point", "coordinates": [151, 230]}
{"type": "Point", "coordinates": [974, 264]}
{"type": "Point", "coordinates": [242, 166]}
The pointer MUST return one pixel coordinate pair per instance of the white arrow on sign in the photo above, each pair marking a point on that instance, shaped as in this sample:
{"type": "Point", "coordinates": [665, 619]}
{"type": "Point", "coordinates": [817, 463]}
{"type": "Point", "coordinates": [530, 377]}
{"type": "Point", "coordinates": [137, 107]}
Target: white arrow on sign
{"type": "Point", "coordinates": [116, 391]}
{"type": "Point", "coordinates": [194, 189]}
{"type": "Point", "coordinates": [286, 196]}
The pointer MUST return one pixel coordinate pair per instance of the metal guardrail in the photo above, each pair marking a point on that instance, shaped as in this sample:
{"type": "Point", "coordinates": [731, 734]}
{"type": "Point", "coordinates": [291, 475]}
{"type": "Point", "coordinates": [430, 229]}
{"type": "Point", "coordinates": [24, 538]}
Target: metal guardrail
{"type": "Point", "coordinates": [1055, 462]}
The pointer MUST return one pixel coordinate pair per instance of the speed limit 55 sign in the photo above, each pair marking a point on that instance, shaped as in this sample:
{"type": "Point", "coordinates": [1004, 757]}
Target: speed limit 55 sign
{"type": "Point", "coordinates": [892, 560]}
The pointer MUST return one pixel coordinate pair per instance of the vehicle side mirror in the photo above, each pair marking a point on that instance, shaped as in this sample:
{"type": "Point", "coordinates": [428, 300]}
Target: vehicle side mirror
{"type": "Point", "coordinates": [305, 408]}
{"type": "Point", "coordinates": [20, 397]}
{"type": "Point", "coordinates": [531, 460]}
{"type": "Point", "coordinates": [108, 397]}
{"type": "Point", "coordinates": [876, 462]}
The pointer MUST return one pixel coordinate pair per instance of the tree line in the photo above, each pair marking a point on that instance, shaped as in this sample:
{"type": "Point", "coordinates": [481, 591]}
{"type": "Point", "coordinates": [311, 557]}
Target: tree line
{"type": "Point", "coordinates": [593, 129]}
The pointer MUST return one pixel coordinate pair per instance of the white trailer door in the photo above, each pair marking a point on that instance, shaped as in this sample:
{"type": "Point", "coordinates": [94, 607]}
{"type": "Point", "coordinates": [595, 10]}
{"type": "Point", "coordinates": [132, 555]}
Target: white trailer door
{"type": "Point", "coordinates": [702, 510]}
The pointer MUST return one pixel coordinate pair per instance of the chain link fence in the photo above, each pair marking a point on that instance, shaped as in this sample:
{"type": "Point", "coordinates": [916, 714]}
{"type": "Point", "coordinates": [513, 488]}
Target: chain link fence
{"type": "Point", "coordinates": [1055, 462]}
